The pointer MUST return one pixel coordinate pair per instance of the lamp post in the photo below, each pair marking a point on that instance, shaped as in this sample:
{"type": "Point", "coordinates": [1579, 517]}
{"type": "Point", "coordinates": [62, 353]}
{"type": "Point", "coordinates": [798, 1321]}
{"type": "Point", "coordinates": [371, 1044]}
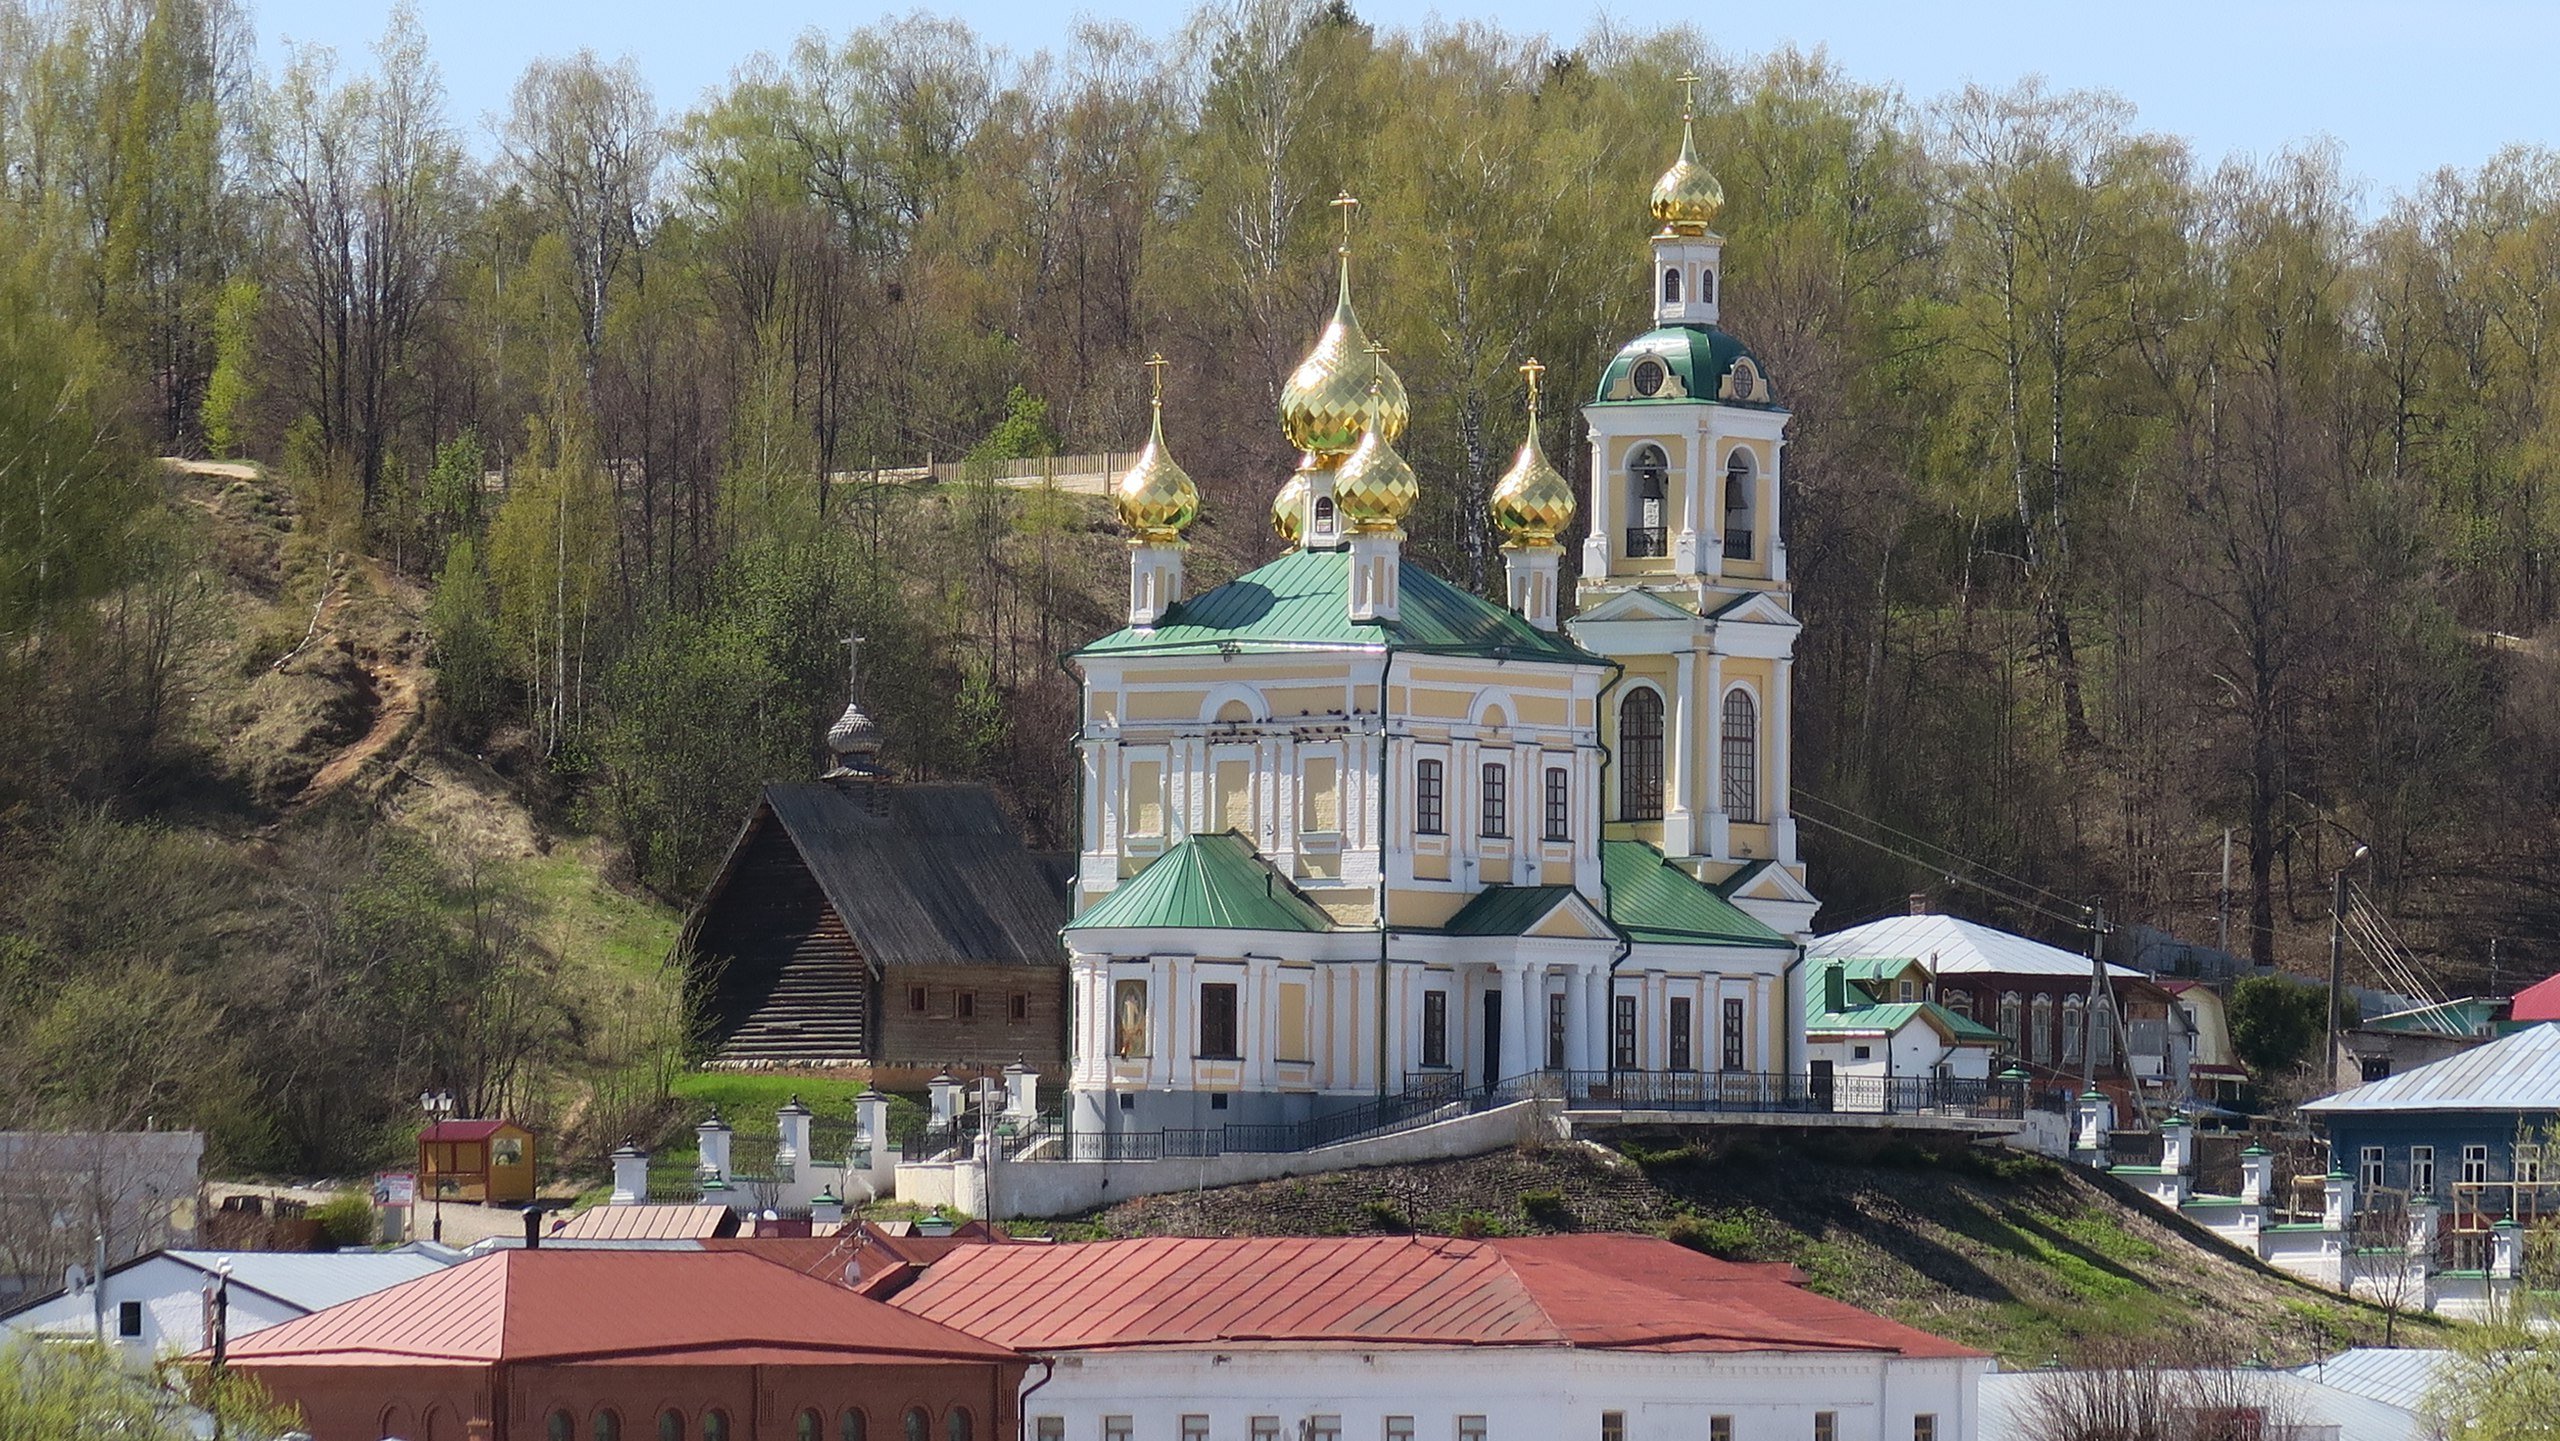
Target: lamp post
{"type": "Point", "coordinates": [2338, 956]}
{"type": "Point", "coordinates": [439, 1106]}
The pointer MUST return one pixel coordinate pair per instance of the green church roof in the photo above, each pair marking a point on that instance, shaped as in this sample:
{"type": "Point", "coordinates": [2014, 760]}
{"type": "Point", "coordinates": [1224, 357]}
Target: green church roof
{"type": "Point", "coordinates": [1212, 883]}
{"type": "Point", "coordinates": [1506, 910]}
{"type": "Point", "coordinates": [1654, 900]}
{"type": "Point", "coordinates": [1698, 354]}
{"type": "Point", "coordinates": [1302, 601]}
{"type": "Point", "coordinates": [1865, 1012]}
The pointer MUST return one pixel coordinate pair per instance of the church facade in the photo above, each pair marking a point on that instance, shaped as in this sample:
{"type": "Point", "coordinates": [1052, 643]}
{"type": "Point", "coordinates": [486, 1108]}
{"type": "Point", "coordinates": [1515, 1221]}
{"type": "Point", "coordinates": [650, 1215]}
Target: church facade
{"type": "Point", "coordinates": [1348, 828]}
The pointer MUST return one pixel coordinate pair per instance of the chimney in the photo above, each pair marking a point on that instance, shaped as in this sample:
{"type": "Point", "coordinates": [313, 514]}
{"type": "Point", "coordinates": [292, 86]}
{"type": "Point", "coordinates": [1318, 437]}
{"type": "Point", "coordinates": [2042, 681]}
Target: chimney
{"type": "Point", "coordinates": [533, 1228]}
{"type": "Point", "coordinates": [1919, 903]}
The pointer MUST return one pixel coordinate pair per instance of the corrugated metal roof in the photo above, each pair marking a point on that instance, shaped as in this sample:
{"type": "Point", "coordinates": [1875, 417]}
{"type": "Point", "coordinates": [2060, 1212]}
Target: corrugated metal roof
{"type": "Point", "coordinates": [929, 874]}
{"type": "Point", "coordinates": [1654, 900]}
{"type": "Point", "coordinates": [465, 1130]}
{"type": "Point", "coordinates": [1597, 1291]}
{"type": "Point", "coordinates": [648, 1221]}
{"type": "Point", "coordinates": [570, 1305]}
{"type": "Point", "coordinates": [2537, 1002]}
{"type": "Point", "coordinates": [1214, 883]}
{"type": "Point", "coordinates": [316, 1280]}
{"type": "Point", "coordinates": [1302, 601]}
{"type": "Point", "coordinates": [2518, 1072]}
{"type": "Point", "coordinates": [2012, 1405]}
{"type": "Point", "coordinates": [2399, 1378]}
{"type": "Point", "coordinates": [1954, 947]}
{"type": "Point", "coordinates": [1868, 1012]}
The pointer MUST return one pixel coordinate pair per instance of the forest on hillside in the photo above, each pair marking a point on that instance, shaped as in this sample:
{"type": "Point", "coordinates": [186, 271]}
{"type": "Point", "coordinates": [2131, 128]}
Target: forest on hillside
{"type": "Point", "coordinates": [2137, 497]}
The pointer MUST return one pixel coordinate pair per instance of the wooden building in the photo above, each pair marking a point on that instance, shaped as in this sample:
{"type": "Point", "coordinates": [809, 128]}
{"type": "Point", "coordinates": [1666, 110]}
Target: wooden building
{"type": "Point", "coordinates": [865, 922]}
{"type": "Point", "coordinates": [479, 1161]}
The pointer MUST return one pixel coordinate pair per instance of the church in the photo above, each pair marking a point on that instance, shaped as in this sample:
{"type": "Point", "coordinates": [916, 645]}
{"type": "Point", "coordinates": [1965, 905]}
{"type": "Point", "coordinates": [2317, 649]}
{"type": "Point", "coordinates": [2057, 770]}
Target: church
{"type": "Point", "coordinates": [1349, 829]}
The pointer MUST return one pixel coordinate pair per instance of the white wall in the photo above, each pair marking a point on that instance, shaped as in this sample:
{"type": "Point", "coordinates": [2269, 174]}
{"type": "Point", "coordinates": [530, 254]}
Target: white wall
{"type": "Point", "coordinates": [172, 1297]}
{"type": "Point", "coordinates": [1523, 1393]}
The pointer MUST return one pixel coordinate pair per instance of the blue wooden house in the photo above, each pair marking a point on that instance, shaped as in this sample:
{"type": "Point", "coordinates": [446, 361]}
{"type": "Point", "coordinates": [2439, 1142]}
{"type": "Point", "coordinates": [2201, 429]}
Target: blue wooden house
{"type": "Point", "coordinates": [2475, 1132]}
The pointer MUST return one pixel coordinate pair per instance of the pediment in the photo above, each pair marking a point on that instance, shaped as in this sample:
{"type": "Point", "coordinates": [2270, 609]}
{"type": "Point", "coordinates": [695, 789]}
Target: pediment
{"type": "Point", "coordinates": [1572, 920]}
{"type": "Point", "coordinates": [1632, 605]}
{"type": "Point", "coordinates": [1768, 881]}
{"type": "Point", "coordinates": [1757, 608]}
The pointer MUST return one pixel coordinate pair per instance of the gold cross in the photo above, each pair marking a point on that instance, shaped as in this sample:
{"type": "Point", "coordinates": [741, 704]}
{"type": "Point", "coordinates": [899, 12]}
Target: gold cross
{"type": "Point", "coordinates": [1377, 364]}
{"type": "Point", "coordinates": [1155, 376]}
{"type": "Point", "coordinates": [1688, 83]}
{"type": "Point", "coordinates": [1346, 204]}
{"type": "Point", "coordinates": [1532, 369]}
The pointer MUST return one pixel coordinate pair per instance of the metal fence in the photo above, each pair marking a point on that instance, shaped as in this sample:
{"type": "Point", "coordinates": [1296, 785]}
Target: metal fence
{"type": "Point", "coordinates": [1051, 1136]}
{"type": "Point", "coordinates": [1768, 1093]}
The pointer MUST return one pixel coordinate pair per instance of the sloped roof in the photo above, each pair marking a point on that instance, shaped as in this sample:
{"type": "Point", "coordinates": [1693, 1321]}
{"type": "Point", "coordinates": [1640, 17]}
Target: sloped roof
{"type": "Point", "coordinates": [465, 1130]}
{"type": "Point", "coordinates": [1618, 1292]}
{"type": "Point", "coordinates": [2463, 1016]}
{"type": "Point", "coordinates": [1953, 947]}
{"type": "Point", "coordinates": [2537, 1002]}
{"type": "Point", "coordinates": [1209, 883]}
{"type": "Point", "coordinates": [1654, 900]}
{"type": "Point", "coordinates": [921, 874]}
{"type": "Point", "coordinates": [1302, 602]}
{"type": "Point", "coordinates": [2516, 1072]}
{"type": "Point", "coordinates": [2393, 1377]}
{"type": "Point", "coordinates": [649, 1221]}
{"type": "Point", "coordinates": [301, 1280]}
{"type": "Point", "coordinates": [567, 1306]}
{"type": "Point", "coordinates": [1867, 1011]}
{"type": "Point", "coordinates": [1507, 910]}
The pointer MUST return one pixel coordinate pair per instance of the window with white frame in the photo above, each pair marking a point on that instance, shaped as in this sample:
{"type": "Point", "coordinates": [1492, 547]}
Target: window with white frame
{"type": "Point", "coordinates": [1640, 755]}
{"type": "Point", "coordinates": [1732, 1058]}
{"type": "Point", "coordinates": [1719, 1428]}
{"type": "Point", "coordinates": [1435, 1028]}
{"type": "Point", "coordinates": [2422, 1170]}
{"type": "Point", "coordinates": [2102, 1034]}
{"type": "Point", "coordinates": [1826, 1426]}
{"type": "Point", "coordinates": [1493, 800]}
{"type": "Point", "coordinates": [1195, 1427]}
{"type": "Point", "coordinates": [1399, 1428]}
{"type": "Point", "coordinates": [2009, 1022]}
{"type": "Point", "coordinates": [2369, 1169]}
{"type": "Point", "coordinates": [1622, 1029]}
{"type": "Point", "coordinates": [1117, 1428]}
{"type": "Point", "coordinates": [1559, 817]}
{"type": "Point", "coordinates": [2075, 1030]}
{"type": "Point", "coordinates": [2040, 1029]}
{"type": "Point", "coordinates": [2528, 1167]}
{"type": "Point", "coordinates": [1266, 1428]}
{"type": "Point", "coordinates": [1740, 760]}
{"type": "Point", "coordinates": [1613, 1426]}
{"type": "Point", "coordinates": [2475, 1165]}
{"type": "Point", "coordinates": [1682, 1058]}
{"type": "Point", "coordinates": [1050, 1428]}
{"type": "Point", "coordinates": [1324, 1428]}
{"type": "Point", "coordinates": [1430, 798]}
{"type": "Point", "coordinates": [1924, 1427]}
{"type": "Point", "coordinates": [1471, 1428]}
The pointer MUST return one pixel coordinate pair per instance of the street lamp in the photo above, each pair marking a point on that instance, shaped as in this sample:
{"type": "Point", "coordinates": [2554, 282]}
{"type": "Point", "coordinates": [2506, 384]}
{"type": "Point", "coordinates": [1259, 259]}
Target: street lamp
{"type": "Point", "coordinates": [2338, 955]}
{"type": "Point", "coordinates": [439, 1106]}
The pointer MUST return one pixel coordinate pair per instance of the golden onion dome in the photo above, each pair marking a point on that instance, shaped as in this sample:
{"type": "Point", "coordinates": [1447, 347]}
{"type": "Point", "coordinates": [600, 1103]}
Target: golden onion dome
{"type": "Point", "coordinates": [1375, 489]}
{"type": "Point", "coordinates": [1156, 499]}
{"type": "Point", "coordinates": [1341, 391]}
{"type": "Point", "coordinates": [1687, 198]}
{"type": "Point", "coordinates": [1289, 509]}
{"type": "Point", "coordinates": [1532, 503]}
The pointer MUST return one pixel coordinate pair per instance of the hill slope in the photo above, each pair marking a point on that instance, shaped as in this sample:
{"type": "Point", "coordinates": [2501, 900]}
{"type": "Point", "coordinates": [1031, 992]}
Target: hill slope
{"type": "Point", "coordinates": [2016, 1255]}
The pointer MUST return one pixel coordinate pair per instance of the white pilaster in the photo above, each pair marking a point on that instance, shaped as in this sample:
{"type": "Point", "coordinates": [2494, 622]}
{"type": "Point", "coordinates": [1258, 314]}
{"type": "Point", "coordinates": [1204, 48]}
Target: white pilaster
{"type": "Point", "coordinates": [1596, 547]}
{"type": "Point", "coordinates": [1781, 748]}
{"type": "Point", "coordinates": [1719, 828]}
{"type": "Point", "coordinates": [1679, 819]}
{"type": "Point", "coordinates": [1155, 580]}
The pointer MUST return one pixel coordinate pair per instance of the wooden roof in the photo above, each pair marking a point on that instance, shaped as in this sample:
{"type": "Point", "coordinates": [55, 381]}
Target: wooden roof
{"type": "Point", "coordinates": [921, 874]}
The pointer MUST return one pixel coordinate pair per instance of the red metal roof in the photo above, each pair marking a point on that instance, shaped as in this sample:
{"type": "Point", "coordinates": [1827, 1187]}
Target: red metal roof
{"type": "Point", "coordinates": [2537, 1002]}
{"type": "Point", "coordinates": [648, 1221]}
{"type": "Point", "coordinates": [1603, 1291]}
{"type": "Point", "coordinates": [465, 1130]}
{"type": "Point", "coordinates": [566, 1306]}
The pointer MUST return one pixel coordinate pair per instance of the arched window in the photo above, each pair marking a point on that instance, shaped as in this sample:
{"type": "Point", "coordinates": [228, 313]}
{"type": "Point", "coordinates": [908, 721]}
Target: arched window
{"type": "Point", "coordinates": [560, 1426]}
{"type": "Point", "coordinates": [715, 1425]}
{"type": "Point", "coordinates": [1671, 287]}
{"type": "Point", "coordinates": [1324, 515]}
{"type": "Point", "coordinates": [1648, 475]}
{"type": "Point", "coordinates": [2009, 1019]}
{"type": "Point", "coordinates": [395, 1420]}
{"type": "Point", "coordinates": [2040, 1029]}
{"type": "Point", "coordinates": [1739, 472]}
{"type": "Point", "coordinates": [853, 1426]}
{"type": "Point", "coordinates": [2075, 1030]}
{"type": "Point", "coordinates": [919, 1425]}
{"type": "Point", "coordinates": [1706, 287]}
{"type": "Point", "coordinates": [1961, 1002]}
{"type": "Point", "coordinates": [812, 1427]}
{"type": "Point", "coordinates": [2102, 1034]}
{"type": "Point", "coordinates": [1640, 755]}
{"type": "Point", "coordinates": [607, 1425]}
{"type": "Point", "coordinates": [955, 1427]}
{"type": "Point", "coordinates": [1741, 759]}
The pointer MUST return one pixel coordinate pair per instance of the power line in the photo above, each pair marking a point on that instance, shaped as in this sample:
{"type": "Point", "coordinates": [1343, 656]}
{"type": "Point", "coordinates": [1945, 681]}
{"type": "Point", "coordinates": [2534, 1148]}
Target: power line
{"type": "Point", "coordinates": [2020, 882]}
{"type": "Point", "coordinates": [2081, 921]}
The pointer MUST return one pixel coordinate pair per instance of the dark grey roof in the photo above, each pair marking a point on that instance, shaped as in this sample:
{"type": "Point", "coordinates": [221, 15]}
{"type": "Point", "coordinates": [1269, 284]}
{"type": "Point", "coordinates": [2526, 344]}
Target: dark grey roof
{"type": "Point", "coordinates": [924, 874]}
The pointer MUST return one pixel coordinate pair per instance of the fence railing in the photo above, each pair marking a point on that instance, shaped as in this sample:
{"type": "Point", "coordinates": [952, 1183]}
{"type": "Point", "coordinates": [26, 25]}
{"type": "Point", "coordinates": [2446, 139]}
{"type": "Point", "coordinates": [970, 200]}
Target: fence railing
{"type": "Point", "coordinates": [1050, 1136]}
{"type": "Point", "coordinates": [1767, 1093]}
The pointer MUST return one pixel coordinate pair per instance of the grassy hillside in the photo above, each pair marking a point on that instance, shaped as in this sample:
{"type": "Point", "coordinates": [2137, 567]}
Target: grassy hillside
{"type": "Point", "coordinates": [2019, 1256]}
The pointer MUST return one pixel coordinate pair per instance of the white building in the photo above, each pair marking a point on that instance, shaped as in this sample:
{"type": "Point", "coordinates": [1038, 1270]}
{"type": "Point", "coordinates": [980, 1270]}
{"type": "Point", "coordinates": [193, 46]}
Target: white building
{"type": "Point", "coordinates": [1349, 830]}
{"type": "Point", "coordinates": [161, 1304]}
{"type": "Point", "coordinates": [1413, 1338]}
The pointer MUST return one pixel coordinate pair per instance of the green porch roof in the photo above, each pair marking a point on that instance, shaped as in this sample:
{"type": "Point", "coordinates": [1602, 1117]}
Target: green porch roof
{"type": "Point", "coordinates": [1302, 602]}
{"type": "Point", "coordinates": [1653, 900]}
{"type": "Point", "coordinates": [1213, 883]}
{"type": "Point", "coordinates": [1866, 1012]}
{"type": "Point", "coordinates": [1506, 910]}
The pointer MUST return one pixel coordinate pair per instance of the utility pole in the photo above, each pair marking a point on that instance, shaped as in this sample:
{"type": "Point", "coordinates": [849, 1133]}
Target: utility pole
{"type": "Point", "coordinates": [2338, 958]}
{"type": "Point", "coordinates": [2222, 910]}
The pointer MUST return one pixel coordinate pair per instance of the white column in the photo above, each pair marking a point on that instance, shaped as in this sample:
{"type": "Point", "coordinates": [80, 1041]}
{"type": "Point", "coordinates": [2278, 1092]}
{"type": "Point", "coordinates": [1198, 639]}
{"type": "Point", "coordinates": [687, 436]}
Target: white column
{"type": "Point", "coordinates": [1719, 838]}
{"type": "Point", "coordinates": [1597, 547]}
{"type": "Point", "coordinates": [1711, 467]}
{"type": "Point", "coordinates": [1527, 1019]}
{"type": "Point", "coordinates": [1595, 989]}
{"type": "Point", "coordinates": [1577, 1040]}
{"type": "Point", "coordinates": [1781, 745]}
{"type": "Point", "coordinates": [1678, 823]}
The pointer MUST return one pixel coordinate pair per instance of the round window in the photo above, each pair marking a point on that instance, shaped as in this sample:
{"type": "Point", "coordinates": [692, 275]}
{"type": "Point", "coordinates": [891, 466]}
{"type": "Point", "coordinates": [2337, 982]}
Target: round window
{"type": "Point", "coordinates": [1648, 376]}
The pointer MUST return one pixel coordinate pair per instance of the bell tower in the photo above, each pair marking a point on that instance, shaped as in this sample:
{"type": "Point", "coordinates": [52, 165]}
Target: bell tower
{"type": "Point", "coordinates": [1684, 573]}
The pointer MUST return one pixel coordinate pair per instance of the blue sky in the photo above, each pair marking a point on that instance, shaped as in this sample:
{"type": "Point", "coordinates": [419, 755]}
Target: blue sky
{"type": "Point", "coordinates": [2403, 88]}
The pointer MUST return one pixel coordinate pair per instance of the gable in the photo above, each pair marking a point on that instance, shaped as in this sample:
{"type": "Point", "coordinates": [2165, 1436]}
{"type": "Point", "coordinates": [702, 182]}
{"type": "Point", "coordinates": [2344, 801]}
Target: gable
{"type": "Point", "coordinates": [1756, 608]}
{"type": "Point", "coordinates": [1632, 605]}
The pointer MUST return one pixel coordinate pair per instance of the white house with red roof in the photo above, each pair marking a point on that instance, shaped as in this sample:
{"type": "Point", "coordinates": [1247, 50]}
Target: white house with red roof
{"type": "Point", "coordinates": [1417, 1338]}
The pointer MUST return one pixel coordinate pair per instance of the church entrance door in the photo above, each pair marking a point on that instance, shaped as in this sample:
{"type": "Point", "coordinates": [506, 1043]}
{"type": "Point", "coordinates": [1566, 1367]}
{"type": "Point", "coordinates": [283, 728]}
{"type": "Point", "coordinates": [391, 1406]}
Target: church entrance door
{"type": "Point", "coordinates": [1492, 1039]}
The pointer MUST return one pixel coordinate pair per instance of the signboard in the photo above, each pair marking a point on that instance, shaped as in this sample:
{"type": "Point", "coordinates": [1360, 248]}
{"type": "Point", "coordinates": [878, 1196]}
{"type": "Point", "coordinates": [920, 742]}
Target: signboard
{"type": "Point", "coordinates": [395, 1188]}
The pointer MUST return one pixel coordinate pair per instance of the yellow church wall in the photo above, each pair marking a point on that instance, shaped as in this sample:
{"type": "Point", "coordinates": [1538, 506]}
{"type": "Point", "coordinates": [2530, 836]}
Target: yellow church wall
{"type": "Point", "coordinates": [1540, 710]}
{"type": "Point", "coordinates": [1164, 705]}
{"type": "Point", "coordinates": [1423, 908]}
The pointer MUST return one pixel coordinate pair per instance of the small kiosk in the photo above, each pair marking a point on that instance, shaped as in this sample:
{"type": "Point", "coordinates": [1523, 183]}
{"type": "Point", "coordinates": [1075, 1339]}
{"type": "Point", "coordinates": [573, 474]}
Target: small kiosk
{"type": "Point", "coordinates": [475, 1161]}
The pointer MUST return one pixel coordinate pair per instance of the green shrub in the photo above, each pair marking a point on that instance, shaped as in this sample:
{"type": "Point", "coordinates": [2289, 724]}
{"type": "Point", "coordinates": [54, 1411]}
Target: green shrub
{"type": "Point", "coordinates": [1475, 1225]}
{"type": "Point", "coordinates": [1547, 1208]}
{"type": "Point", "coordinates": [1385, 1216]}
{"type": "Point", "coordinates": [346, 1219]}
{"type": "Point", "coordinates": [1727, 1238]}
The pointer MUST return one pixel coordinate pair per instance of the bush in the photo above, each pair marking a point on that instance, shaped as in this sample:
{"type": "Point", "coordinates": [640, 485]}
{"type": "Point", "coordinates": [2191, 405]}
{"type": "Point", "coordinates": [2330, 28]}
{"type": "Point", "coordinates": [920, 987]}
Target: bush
{"type": "Point", "coordinates": [1727, 1238]}
{"type": "Point", "coordinates": [1547, 1208]}
{"type": "Point", "coordinates": [1385, 1216]}
{"type": "Point", "coordinates": [1475, 1225]}
{"type": "Point", "coordinates": [346, 1219]}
